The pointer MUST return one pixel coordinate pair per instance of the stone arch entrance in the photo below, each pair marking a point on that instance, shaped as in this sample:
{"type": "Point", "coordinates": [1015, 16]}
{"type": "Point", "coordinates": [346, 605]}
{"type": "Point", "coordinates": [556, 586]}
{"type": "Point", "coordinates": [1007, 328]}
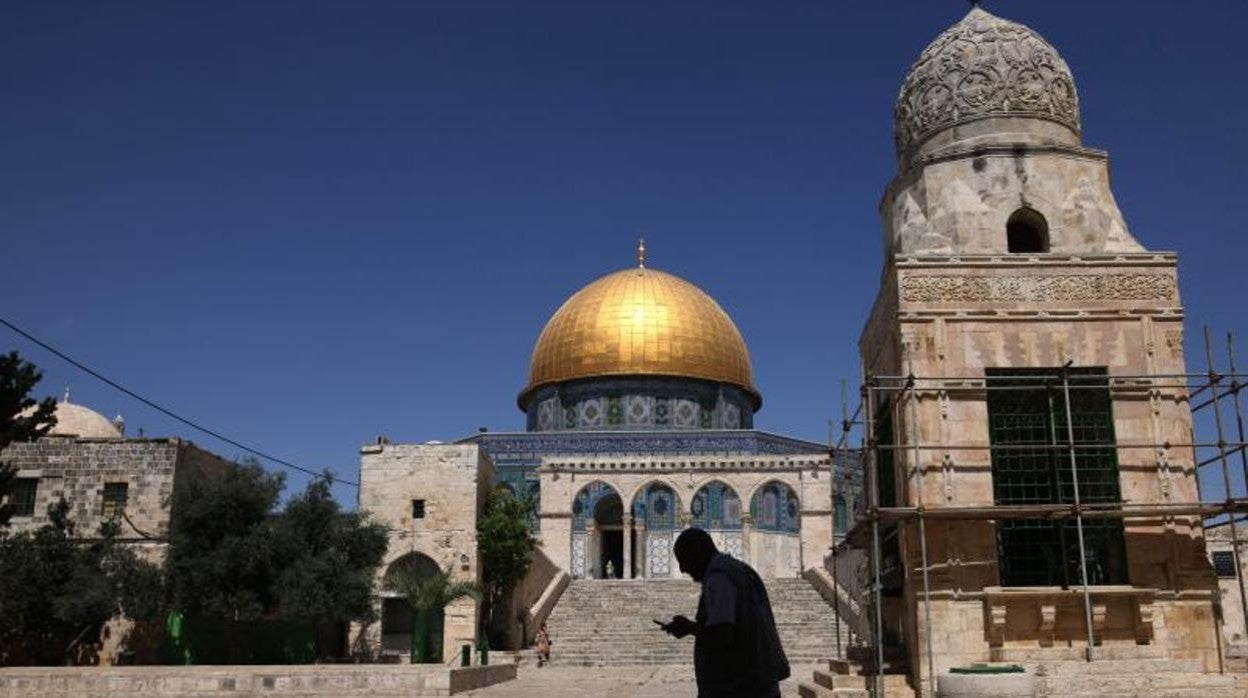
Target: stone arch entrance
{"type": "Point", "coordinates": [597, 532]}
{"type": "Point", "coordinates": [398, 621]}
{"type": "Point", "coordinates": [656, 517]}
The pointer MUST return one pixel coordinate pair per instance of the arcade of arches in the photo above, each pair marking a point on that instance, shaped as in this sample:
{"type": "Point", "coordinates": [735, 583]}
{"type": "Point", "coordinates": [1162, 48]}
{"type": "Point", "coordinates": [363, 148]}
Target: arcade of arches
{"type": "Point", "coordinates": [772, 512]}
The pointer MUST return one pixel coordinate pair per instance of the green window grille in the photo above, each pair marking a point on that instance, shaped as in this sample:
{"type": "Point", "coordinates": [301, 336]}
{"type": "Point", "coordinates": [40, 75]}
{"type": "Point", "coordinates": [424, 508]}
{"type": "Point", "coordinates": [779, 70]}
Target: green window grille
{"type": "Point", "coordinates": [892, 575]}
{"type": "Point", "coordinates": [22, 496]}
{"type": "Point", "coordinates": [886, 477]}
{"type": "Point", "coordinates": [114, 502]}
{"type": "Point", "coordinates": [1027, 408]}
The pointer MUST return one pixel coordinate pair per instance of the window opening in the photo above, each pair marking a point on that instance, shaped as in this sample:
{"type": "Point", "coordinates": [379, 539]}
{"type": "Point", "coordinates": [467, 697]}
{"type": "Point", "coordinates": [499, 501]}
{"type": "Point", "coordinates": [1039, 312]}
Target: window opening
{"type": "Point", "coordinates": [115, 496]}
{"type": "Point", "coordinates": [22, 496]}
{"type": "Point", "coordinates": [1224, 564]}
{"type": "Point", "coordinates": [1027, 231]}
{"type": "Point", "coordinates": [1031, 411]}
{"type": "Point", "coordinates": [418, 508]}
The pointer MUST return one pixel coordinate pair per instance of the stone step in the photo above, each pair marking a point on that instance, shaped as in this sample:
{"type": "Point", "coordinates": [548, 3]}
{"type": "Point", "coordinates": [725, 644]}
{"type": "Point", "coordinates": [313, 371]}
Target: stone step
{"type": "Point", "coordinates": [1121, 667]}
{"type": "Point", "coordinates": [1144, 684]}
{"type": "Point", "coordinates": [608, 622]}
{"type": "Point", "coordinates": [807, 690]}
{"type": "Point", "coordinates": [1025, 655]}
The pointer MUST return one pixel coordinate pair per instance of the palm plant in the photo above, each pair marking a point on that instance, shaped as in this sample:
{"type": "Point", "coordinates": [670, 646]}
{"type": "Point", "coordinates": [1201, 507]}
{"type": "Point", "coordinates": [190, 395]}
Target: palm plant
{"type": "Point", "coordinates": [428, 595]}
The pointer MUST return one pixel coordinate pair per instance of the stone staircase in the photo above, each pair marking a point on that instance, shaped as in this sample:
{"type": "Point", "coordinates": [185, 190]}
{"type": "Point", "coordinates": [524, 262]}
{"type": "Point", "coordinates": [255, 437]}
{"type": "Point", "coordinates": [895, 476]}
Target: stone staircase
{"type": "Point", "coordinates": [610, 622]}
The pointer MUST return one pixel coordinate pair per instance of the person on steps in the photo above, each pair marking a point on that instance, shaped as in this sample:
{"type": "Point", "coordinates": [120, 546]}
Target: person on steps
{"type": "Point", "coordinates": [543, 645]}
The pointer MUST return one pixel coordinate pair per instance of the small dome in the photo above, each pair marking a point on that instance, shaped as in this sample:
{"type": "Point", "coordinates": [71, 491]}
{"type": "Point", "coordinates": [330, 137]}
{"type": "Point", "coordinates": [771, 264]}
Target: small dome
{"type": "Point", "coordinates": [640, 322]}
{"type": "Point", "coordinates": [81, 422]}
{"type": "Point", "coordinates": [983, 67]}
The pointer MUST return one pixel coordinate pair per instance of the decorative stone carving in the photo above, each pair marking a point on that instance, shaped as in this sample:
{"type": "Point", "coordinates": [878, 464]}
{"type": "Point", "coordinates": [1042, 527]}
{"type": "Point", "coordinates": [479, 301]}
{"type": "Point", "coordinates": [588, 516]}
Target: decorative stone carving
{"type": "Point", "coordinates": [983, 66]}
{"type": "Point", "coordinates": [1038, 289]}
{"type": "Point", "coordinates": [1174, 342]}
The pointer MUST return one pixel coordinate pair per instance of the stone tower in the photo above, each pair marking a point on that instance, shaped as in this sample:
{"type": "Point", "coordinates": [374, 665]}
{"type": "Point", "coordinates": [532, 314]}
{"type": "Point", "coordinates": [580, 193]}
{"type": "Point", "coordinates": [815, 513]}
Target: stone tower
{"type": "Point", "coordinates": [1006, 260]}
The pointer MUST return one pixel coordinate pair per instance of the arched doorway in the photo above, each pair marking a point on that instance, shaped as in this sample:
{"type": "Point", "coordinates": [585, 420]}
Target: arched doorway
{"type": "Point", "coordinates": [655, 516]}
{"type": "Point", "coordinates": [776, 540]}
{"type": "Point", "coordinates": [399, 624]}
{"type": "Point", "coordinates": [716, 509]}
{"type": "Point", "coordinates": [597, 532]}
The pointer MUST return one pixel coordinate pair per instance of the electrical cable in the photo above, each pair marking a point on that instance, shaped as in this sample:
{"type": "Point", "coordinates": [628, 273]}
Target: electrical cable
{"type": "Point", "coordinates": [170, 413]}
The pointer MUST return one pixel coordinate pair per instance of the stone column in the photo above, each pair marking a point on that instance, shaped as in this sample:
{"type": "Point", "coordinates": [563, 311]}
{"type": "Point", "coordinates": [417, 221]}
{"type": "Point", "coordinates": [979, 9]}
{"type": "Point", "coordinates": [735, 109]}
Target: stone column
{"type": "Point", "coordinates": [591, 550]}
{"type": "Point", "coordinates": [641, 548]}
{"type": "Point", "coordinates": [628, 546]}
{"type": "Point", "coordinates": [747, 527]}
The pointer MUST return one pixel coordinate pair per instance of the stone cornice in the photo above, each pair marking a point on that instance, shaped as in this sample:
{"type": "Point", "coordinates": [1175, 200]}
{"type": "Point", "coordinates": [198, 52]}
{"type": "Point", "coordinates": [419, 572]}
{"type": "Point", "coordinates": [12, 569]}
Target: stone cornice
{"type": "Point", "coordinates": [684, 464]}
{"type": "Point", "coordinates": [1091, 261]}
{"type": "Point", "coordinates": [1055, 314]}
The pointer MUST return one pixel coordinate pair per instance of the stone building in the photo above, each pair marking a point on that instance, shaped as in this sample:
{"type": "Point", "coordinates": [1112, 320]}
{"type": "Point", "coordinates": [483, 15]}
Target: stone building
{"type": "Point", "coordinates": [103, 476]}
{"type": "Point", "coordinates": [639, 411]}
{"type": "Point", "coordinates": [1010, 274]}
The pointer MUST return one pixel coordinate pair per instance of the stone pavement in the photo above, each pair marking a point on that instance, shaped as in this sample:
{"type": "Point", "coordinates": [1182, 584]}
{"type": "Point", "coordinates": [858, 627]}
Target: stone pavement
{"type": "Point", "coordinates": [612, 682]}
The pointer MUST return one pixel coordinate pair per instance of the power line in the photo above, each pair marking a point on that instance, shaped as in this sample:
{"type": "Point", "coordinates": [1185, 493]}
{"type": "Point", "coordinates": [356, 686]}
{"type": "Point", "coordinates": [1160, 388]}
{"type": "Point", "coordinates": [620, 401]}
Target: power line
{"type": "Point", "coordinates": [170, 413]}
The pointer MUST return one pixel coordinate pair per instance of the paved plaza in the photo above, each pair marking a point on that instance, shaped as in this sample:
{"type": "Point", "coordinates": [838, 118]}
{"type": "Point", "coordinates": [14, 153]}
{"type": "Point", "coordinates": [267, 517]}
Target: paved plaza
{"type": "Point", "coordinates": [615, 682]}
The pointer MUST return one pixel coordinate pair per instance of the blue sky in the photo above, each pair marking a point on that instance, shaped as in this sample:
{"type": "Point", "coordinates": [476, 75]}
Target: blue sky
{"type": "Point", "coordinates": [309, 223]}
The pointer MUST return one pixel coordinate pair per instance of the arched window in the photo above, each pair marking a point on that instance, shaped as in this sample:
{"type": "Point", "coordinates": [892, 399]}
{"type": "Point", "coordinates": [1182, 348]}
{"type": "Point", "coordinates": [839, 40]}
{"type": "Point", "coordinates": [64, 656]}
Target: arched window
{"type": "Point", "coordinates": [1027, 231]}
{"type": "Point", "coordinates": [585, 506]}
{"type": "Point", "coordinates": [716, 507]}
{"type": "Point", "coordinates": [775, 508]}
{"type": "Point", "coordinates": [657, 507]}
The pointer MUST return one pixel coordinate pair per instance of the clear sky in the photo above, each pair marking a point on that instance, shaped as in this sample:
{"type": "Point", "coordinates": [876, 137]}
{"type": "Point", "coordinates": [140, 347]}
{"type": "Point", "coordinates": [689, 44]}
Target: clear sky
{"type": "Point", "coordinates": [309, 223]}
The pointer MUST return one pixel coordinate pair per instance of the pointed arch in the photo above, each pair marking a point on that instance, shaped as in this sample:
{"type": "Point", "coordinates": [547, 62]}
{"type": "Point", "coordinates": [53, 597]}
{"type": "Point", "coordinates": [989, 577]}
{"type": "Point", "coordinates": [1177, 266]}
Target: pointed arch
{"type": "Point", "coordinates": [716, 506]}
{"type": "Point", "coordinates": [776, 508]}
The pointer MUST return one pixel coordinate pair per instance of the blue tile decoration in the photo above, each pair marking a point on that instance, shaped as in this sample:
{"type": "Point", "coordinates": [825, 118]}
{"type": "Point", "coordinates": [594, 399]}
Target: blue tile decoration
{"type": "Point", "coordinates": [716, 506]}
{"type": "Point", "coordinates": [775, 508]}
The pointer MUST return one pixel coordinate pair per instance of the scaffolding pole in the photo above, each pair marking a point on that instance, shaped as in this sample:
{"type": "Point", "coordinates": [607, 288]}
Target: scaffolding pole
{"type": "Point", "coordinates": [1214, 379]}
{"type": "Point", "coordinates": [874, 487]}
{"type": "Point", "coordinates": [1074, 476]}
{"type": "Point", "coordinates": [917, 468]}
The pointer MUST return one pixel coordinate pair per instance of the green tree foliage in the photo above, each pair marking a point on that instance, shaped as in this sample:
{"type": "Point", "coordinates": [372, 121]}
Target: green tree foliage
{"type": "Point", "coordinates": [506, 545]}
{"type": "Point", "coordinates": [232, 557]}
{"type": "Point", "coordinates": [58, 591]}
{"type": "Point", "coordinates": [220, 561]}
{"type": "Point", "coordinates": [17, 379]}
{"type": "Point", "coordinates": [329, 559]}
{"type": "Point", "coordinates": [432, 592]}
{"type": "Point", "coordinates": [427, 596]}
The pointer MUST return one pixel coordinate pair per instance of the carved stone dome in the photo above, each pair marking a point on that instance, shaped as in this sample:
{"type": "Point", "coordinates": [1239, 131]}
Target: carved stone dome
{"type": "Point", "coordinates": [980, 68]}
{"type": "Point", "coordinates": [640, 322]}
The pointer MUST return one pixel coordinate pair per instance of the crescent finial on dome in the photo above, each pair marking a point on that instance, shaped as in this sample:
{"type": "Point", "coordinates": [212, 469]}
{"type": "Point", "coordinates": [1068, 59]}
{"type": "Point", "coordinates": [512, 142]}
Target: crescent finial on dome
{"type": "Point", "coordinates": [641, 252]}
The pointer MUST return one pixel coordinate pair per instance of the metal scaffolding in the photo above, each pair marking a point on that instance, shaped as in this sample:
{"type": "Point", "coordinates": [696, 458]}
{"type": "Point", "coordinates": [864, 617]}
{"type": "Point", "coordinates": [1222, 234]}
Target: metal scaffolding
{"type": "Point", "coordinates": [1207, 395]}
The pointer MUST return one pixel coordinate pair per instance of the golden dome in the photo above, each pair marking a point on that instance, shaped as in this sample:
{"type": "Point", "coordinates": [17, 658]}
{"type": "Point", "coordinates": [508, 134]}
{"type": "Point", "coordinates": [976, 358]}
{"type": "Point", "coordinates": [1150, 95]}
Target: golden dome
{"type": "Point", "coordinates": [640, 322]}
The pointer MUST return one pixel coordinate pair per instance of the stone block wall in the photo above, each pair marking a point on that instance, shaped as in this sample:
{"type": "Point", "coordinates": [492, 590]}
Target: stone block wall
{"type": "Point", "coordinates": [78, 470]}
{"type": "Point", "coordinates": [453, 480]}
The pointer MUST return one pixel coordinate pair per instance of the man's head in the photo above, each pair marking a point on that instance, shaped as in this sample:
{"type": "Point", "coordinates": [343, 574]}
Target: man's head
{"type": "Point", "coordinates": [694, 550]}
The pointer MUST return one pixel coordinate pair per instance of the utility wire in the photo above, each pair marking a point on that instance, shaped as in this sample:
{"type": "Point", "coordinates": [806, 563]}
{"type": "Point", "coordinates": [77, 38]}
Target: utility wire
{"type": "Point", "coordinates": [169, 413]}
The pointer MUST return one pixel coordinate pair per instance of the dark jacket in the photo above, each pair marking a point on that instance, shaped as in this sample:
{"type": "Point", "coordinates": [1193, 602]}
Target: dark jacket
{"type": "Point", "coordinates": [754, 663]}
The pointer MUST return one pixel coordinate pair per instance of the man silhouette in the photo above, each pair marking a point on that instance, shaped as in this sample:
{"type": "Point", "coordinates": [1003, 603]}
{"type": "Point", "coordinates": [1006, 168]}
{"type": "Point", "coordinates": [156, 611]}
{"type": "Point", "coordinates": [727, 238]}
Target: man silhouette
{"type": "Point", "coordinates": [736, 650]}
